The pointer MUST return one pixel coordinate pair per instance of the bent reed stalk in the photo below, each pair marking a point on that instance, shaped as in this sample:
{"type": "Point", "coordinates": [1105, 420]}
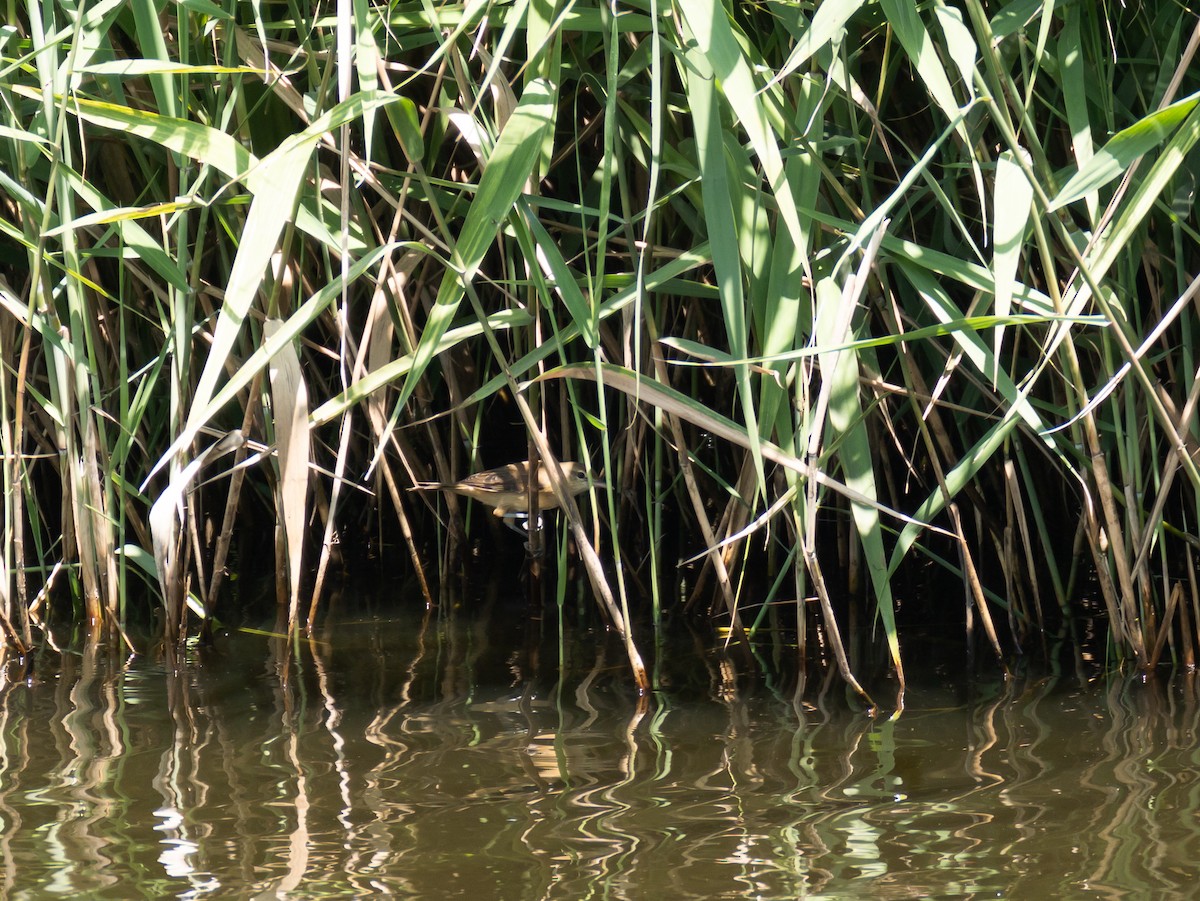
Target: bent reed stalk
{"type": "Point", "coordinates": [829, 293]}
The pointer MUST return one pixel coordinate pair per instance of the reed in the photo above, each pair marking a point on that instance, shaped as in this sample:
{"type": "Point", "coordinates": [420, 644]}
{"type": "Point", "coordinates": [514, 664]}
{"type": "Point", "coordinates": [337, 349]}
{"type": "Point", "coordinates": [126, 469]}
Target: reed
{"type": "Point", "coordinates": [821, 290]}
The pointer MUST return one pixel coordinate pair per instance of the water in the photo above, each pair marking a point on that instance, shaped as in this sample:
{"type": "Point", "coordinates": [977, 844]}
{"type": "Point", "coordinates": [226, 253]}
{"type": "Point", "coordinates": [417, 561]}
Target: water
{"type": "Point", "coordinates": [443, 759]}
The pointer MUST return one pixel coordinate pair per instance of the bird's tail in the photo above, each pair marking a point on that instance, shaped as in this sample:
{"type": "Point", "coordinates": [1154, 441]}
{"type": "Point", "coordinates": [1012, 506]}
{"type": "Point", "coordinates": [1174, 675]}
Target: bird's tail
{"type": "Point", "coordinates": [429, 486]}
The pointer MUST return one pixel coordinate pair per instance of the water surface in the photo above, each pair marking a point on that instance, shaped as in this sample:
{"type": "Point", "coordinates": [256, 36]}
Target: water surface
{"type": "Point", "coordinates": [443, 758]}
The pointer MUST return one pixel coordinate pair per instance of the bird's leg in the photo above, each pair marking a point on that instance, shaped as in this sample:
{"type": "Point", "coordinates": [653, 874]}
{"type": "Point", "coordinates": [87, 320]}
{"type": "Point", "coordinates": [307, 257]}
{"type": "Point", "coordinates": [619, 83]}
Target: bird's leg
{"type": "Point", "coordinates": [518, 521]}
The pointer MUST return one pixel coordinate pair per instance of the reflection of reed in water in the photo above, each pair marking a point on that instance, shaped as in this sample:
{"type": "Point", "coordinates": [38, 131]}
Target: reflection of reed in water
{"type": "Point", "coordinates": [73, 806]}
{"type": "Point", "coordinates": [433, 758]}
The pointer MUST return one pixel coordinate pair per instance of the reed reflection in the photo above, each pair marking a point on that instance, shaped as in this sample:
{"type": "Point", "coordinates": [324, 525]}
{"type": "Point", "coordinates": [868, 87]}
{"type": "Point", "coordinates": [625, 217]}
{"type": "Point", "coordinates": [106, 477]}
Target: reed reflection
{"type": "Point", "coordinates": [444, 755]}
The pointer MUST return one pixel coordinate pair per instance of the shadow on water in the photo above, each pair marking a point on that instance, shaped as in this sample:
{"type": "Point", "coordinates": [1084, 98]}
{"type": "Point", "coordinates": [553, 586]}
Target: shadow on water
{"type": "Point", "coordinates": [442, 756]}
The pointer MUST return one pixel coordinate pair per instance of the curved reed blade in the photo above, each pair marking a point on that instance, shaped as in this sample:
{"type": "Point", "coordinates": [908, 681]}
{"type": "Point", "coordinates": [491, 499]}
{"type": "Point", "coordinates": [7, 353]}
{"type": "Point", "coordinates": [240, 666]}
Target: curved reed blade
{"type": "Point", "coordinates": [165, 520]}
{"type": "Point", "coordinates": [289, 404]}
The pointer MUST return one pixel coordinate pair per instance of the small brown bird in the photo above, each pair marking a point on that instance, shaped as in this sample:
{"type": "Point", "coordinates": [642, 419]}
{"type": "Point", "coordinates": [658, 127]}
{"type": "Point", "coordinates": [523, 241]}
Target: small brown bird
{"type": "Point", "coordinates": [505, 487]}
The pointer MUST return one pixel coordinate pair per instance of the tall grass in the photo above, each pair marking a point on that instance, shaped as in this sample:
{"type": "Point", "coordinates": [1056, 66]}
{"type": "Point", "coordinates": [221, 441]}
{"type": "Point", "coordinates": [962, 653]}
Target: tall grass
{"type": "Point", "coordinates": [826, 291]}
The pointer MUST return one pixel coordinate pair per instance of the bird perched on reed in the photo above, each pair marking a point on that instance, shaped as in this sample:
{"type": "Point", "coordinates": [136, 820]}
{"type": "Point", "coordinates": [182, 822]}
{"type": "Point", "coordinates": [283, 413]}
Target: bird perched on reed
{"type": "Point", "coordinates": [505, 488]}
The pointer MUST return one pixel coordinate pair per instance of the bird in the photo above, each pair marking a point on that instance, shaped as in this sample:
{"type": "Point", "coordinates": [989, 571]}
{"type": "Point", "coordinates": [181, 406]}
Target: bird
{"type": "Point", "coordinates": [505, 488]}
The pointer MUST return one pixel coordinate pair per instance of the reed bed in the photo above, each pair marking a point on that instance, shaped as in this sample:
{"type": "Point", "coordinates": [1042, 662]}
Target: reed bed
{"type": "Point", "coordinates": [846, 302]}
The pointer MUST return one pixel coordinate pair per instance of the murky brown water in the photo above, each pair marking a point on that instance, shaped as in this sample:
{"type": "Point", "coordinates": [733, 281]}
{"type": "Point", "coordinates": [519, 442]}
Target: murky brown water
{"type": "Point", "coordinates": [438, 762]}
